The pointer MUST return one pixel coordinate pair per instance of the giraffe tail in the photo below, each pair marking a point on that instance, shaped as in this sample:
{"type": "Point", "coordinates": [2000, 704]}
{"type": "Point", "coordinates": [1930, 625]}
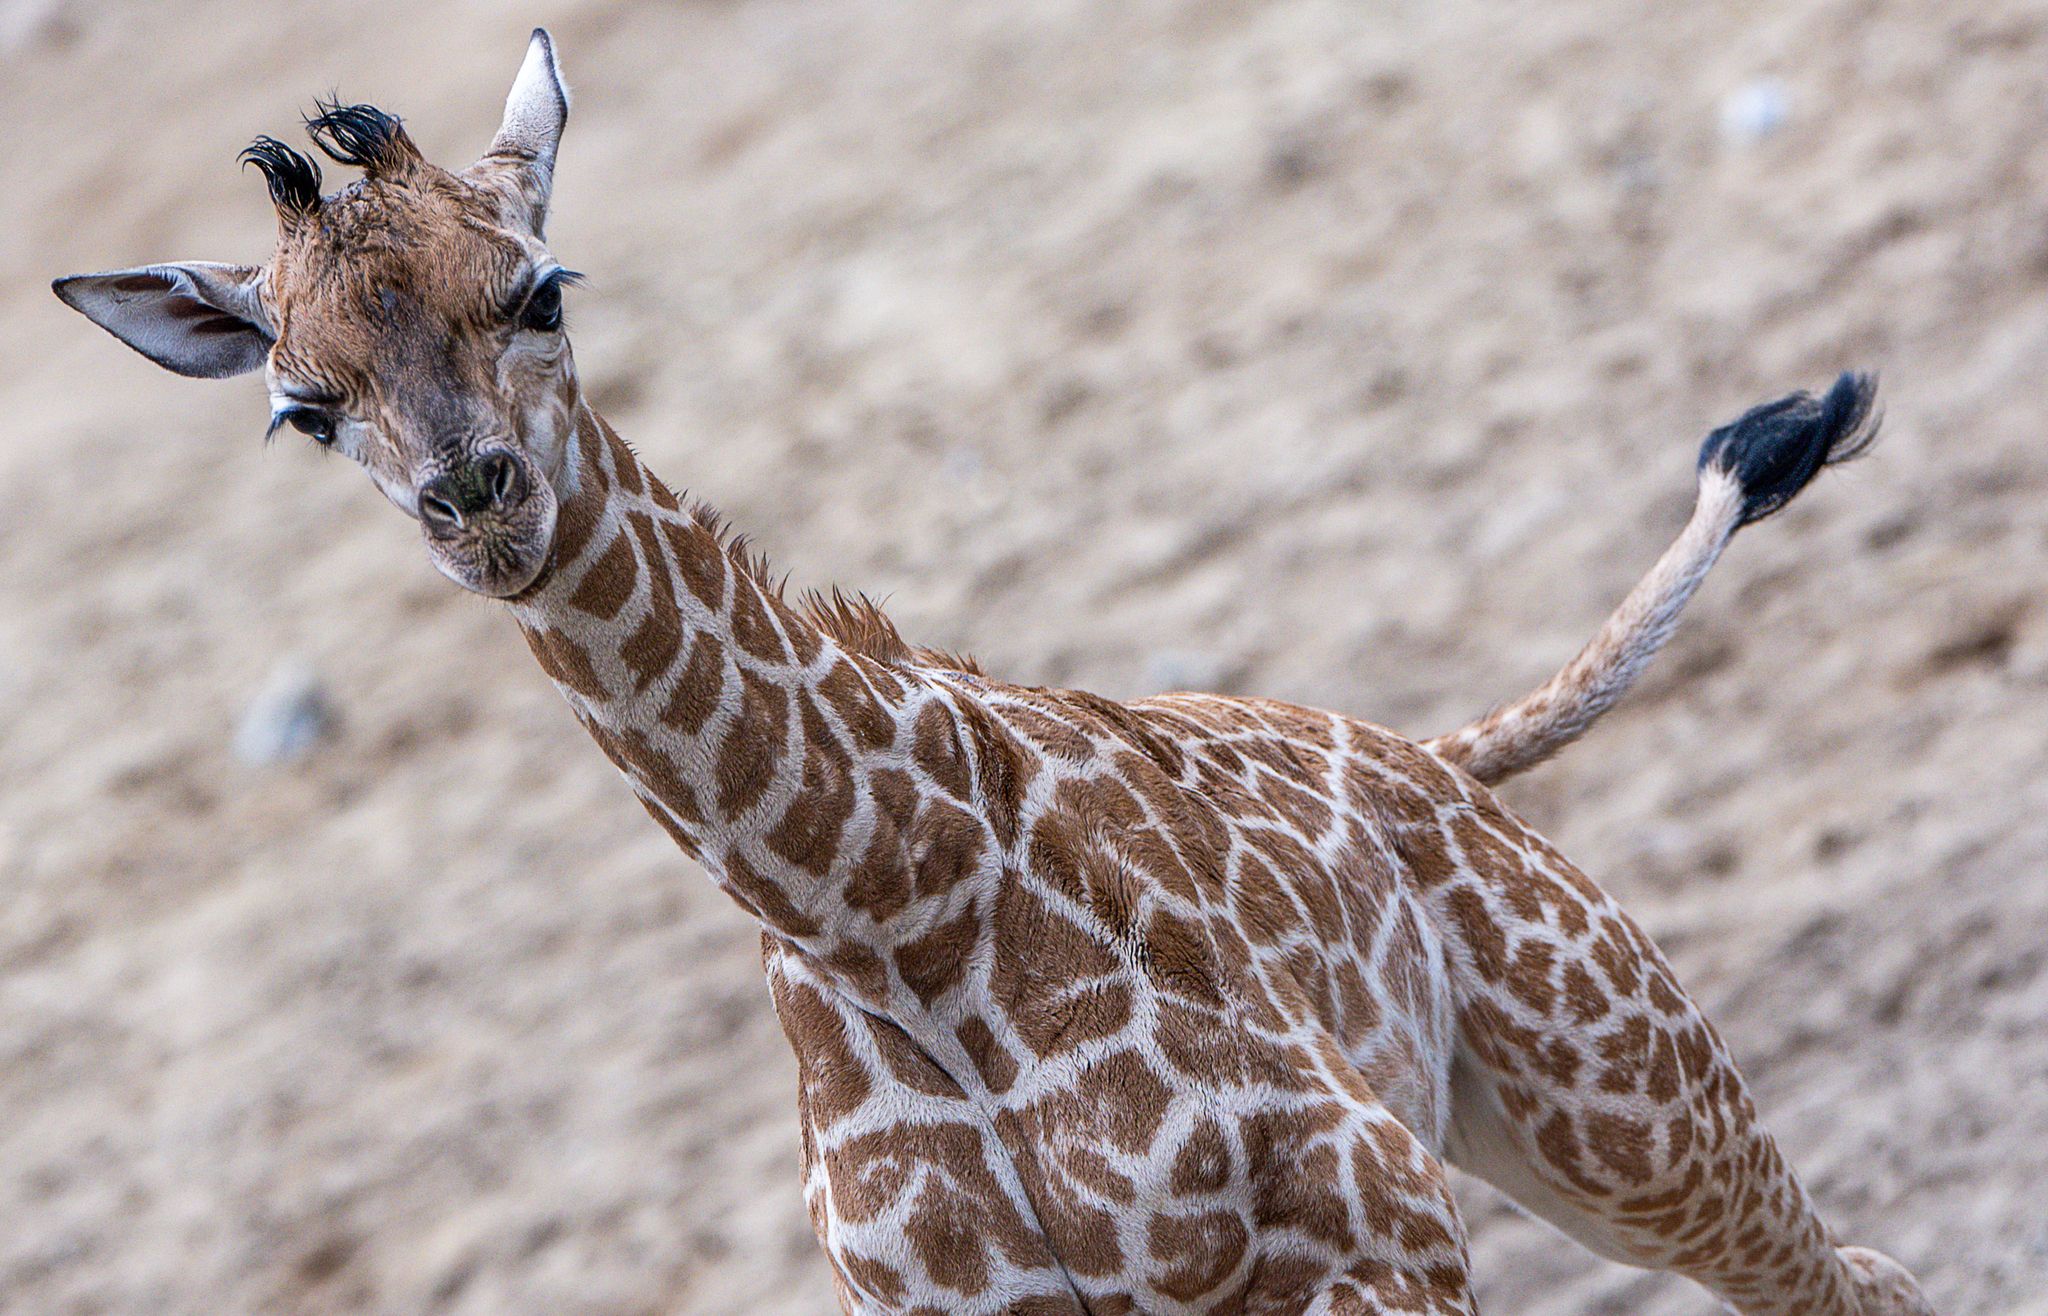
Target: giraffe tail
{"type": "Point", "coordinates": [1748, 469]}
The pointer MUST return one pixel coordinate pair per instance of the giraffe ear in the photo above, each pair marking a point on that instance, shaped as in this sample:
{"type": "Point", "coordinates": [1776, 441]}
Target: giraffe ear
{"type": "Point", "coordinates": [536, 111]}
{"type": "Point", "coordinates": [199, 318]}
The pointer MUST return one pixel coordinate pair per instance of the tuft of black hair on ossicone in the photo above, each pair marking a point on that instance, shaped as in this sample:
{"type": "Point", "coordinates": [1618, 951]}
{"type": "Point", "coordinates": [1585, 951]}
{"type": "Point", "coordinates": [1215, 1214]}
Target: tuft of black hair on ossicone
{"type": "Point", "coordinates": [293, 178]}
{"type": "Point", "coordinates": [360, 135]}
{"type": "Point", "coordinates": [1774, 450]}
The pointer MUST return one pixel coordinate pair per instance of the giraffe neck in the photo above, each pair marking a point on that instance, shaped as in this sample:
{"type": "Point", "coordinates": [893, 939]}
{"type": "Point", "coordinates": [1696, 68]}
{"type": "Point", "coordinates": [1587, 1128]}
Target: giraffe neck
{"type": "Point", "coordinates": [748, 733]}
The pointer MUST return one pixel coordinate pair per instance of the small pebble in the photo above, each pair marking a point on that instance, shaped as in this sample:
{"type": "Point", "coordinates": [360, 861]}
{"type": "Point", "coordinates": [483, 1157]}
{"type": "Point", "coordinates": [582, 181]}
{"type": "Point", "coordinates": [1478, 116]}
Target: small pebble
{"type": "Point", "coordinates": [289, 716]}
{"type": "Point", "coordinates": [30, 25]}
{"type": "Point", "coordinates": [1755, 110]}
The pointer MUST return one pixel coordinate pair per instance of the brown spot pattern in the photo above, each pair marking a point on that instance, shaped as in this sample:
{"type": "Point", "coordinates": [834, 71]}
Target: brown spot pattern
{"type": "Point", "coordinates": [1153, 1004]}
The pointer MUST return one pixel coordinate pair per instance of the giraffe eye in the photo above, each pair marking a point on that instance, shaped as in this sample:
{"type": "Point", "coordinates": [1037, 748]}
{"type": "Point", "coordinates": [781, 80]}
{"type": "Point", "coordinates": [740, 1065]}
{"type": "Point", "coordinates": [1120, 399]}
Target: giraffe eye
{"type": "Point", "coordinates": [312, 422]}
{"type": "Point", "coordinates": [543, 311]}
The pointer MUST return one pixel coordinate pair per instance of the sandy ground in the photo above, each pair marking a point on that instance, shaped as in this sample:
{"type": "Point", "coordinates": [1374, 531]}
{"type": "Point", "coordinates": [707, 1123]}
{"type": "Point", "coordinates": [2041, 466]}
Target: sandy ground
{"type": "Point", "coordinates": [1348, 353]}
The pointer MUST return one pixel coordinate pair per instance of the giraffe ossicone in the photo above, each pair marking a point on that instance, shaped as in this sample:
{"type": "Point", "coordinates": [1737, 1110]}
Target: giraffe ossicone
{"type": "Point", "coordinates": [1179, 1005]}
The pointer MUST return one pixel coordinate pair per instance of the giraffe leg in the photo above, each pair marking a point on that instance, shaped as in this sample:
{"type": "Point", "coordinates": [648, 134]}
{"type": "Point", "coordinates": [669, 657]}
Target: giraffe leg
{"type": "Point", "coordinates": [1588, 1087]}
{"type": "Point", "coordinates": [1379, 1291]}
{"type": "Point", "coordinates": [916, 1208]}
{"type": "Point", "coordinates": [1354, 1215]}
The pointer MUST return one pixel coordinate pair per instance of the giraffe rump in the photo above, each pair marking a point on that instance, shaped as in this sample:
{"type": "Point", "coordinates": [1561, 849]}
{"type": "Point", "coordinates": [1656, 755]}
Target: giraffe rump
{"type": "Point", "coordinates": [1748, 469]}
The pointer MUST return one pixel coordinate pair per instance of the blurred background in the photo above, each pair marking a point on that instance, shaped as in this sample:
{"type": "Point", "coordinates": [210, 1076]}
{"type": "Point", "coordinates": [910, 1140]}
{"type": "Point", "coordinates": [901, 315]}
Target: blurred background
{"type": "Point", "coordinates": [1353, 353]}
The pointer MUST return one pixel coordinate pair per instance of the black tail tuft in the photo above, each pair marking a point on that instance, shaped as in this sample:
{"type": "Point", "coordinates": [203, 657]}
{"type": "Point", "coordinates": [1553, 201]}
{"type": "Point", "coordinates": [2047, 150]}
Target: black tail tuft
{"type": "Point", "coordinates": [1774, 450]}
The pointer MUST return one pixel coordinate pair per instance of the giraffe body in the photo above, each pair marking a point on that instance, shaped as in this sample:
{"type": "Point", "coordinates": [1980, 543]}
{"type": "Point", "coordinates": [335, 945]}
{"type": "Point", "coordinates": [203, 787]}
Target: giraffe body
{"type": "Point", "coordinates": [1180, 1005]}
{"type": "Point", "coordinates": [1172, 1006]}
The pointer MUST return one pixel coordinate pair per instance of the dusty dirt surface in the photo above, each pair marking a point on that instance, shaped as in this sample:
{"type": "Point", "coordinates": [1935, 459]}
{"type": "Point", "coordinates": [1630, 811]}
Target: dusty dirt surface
{"type": "Point", "coordinates": [1353, 354]}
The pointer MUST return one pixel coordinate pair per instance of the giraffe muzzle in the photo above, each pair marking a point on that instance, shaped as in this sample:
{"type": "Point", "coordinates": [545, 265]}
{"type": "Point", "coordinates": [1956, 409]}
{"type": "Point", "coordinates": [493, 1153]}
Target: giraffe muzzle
{"type": "Point", "coordinates": [493, 484]}
{"type": "Point", "coordinates": [488, 521]}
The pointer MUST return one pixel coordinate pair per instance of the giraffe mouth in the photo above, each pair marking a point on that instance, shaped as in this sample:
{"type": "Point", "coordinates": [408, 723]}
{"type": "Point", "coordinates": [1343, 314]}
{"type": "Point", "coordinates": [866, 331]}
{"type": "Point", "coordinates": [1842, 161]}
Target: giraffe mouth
{"type": "Point", "coordinates": [499, 553]}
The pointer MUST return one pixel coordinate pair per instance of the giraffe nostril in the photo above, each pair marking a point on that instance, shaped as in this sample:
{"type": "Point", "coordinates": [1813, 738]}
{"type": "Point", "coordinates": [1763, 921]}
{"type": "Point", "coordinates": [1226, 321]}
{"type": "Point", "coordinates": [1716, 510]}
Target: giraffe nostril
{"type": "Point", "coordinates": [501, 476]}
{"type": "Point", "coordinates": [438, 510]}
{"type": "Point", "coordinates": [492, 482]}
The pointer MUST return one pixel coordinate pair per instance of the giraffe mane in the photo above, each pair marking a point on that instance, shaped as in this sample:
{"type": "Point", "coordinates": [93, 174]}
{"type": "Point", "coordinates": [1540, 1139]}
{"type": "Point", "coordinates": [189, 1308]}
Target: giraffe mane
{"type": "Point", "coordinates": [851, 619]}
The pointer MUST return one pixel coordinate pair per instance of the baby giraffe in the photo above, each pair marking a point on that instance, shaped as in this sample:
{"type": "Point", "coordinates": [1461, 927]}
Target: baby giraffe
{"type": "Point", "coordinates": [1179, 1005]}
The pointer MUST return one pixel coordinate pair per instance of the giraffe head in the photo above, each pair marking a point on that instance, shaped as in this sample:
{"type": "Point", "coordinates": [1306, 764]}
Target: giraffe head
{"type": "Point", "coordinates": [411, 321]}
